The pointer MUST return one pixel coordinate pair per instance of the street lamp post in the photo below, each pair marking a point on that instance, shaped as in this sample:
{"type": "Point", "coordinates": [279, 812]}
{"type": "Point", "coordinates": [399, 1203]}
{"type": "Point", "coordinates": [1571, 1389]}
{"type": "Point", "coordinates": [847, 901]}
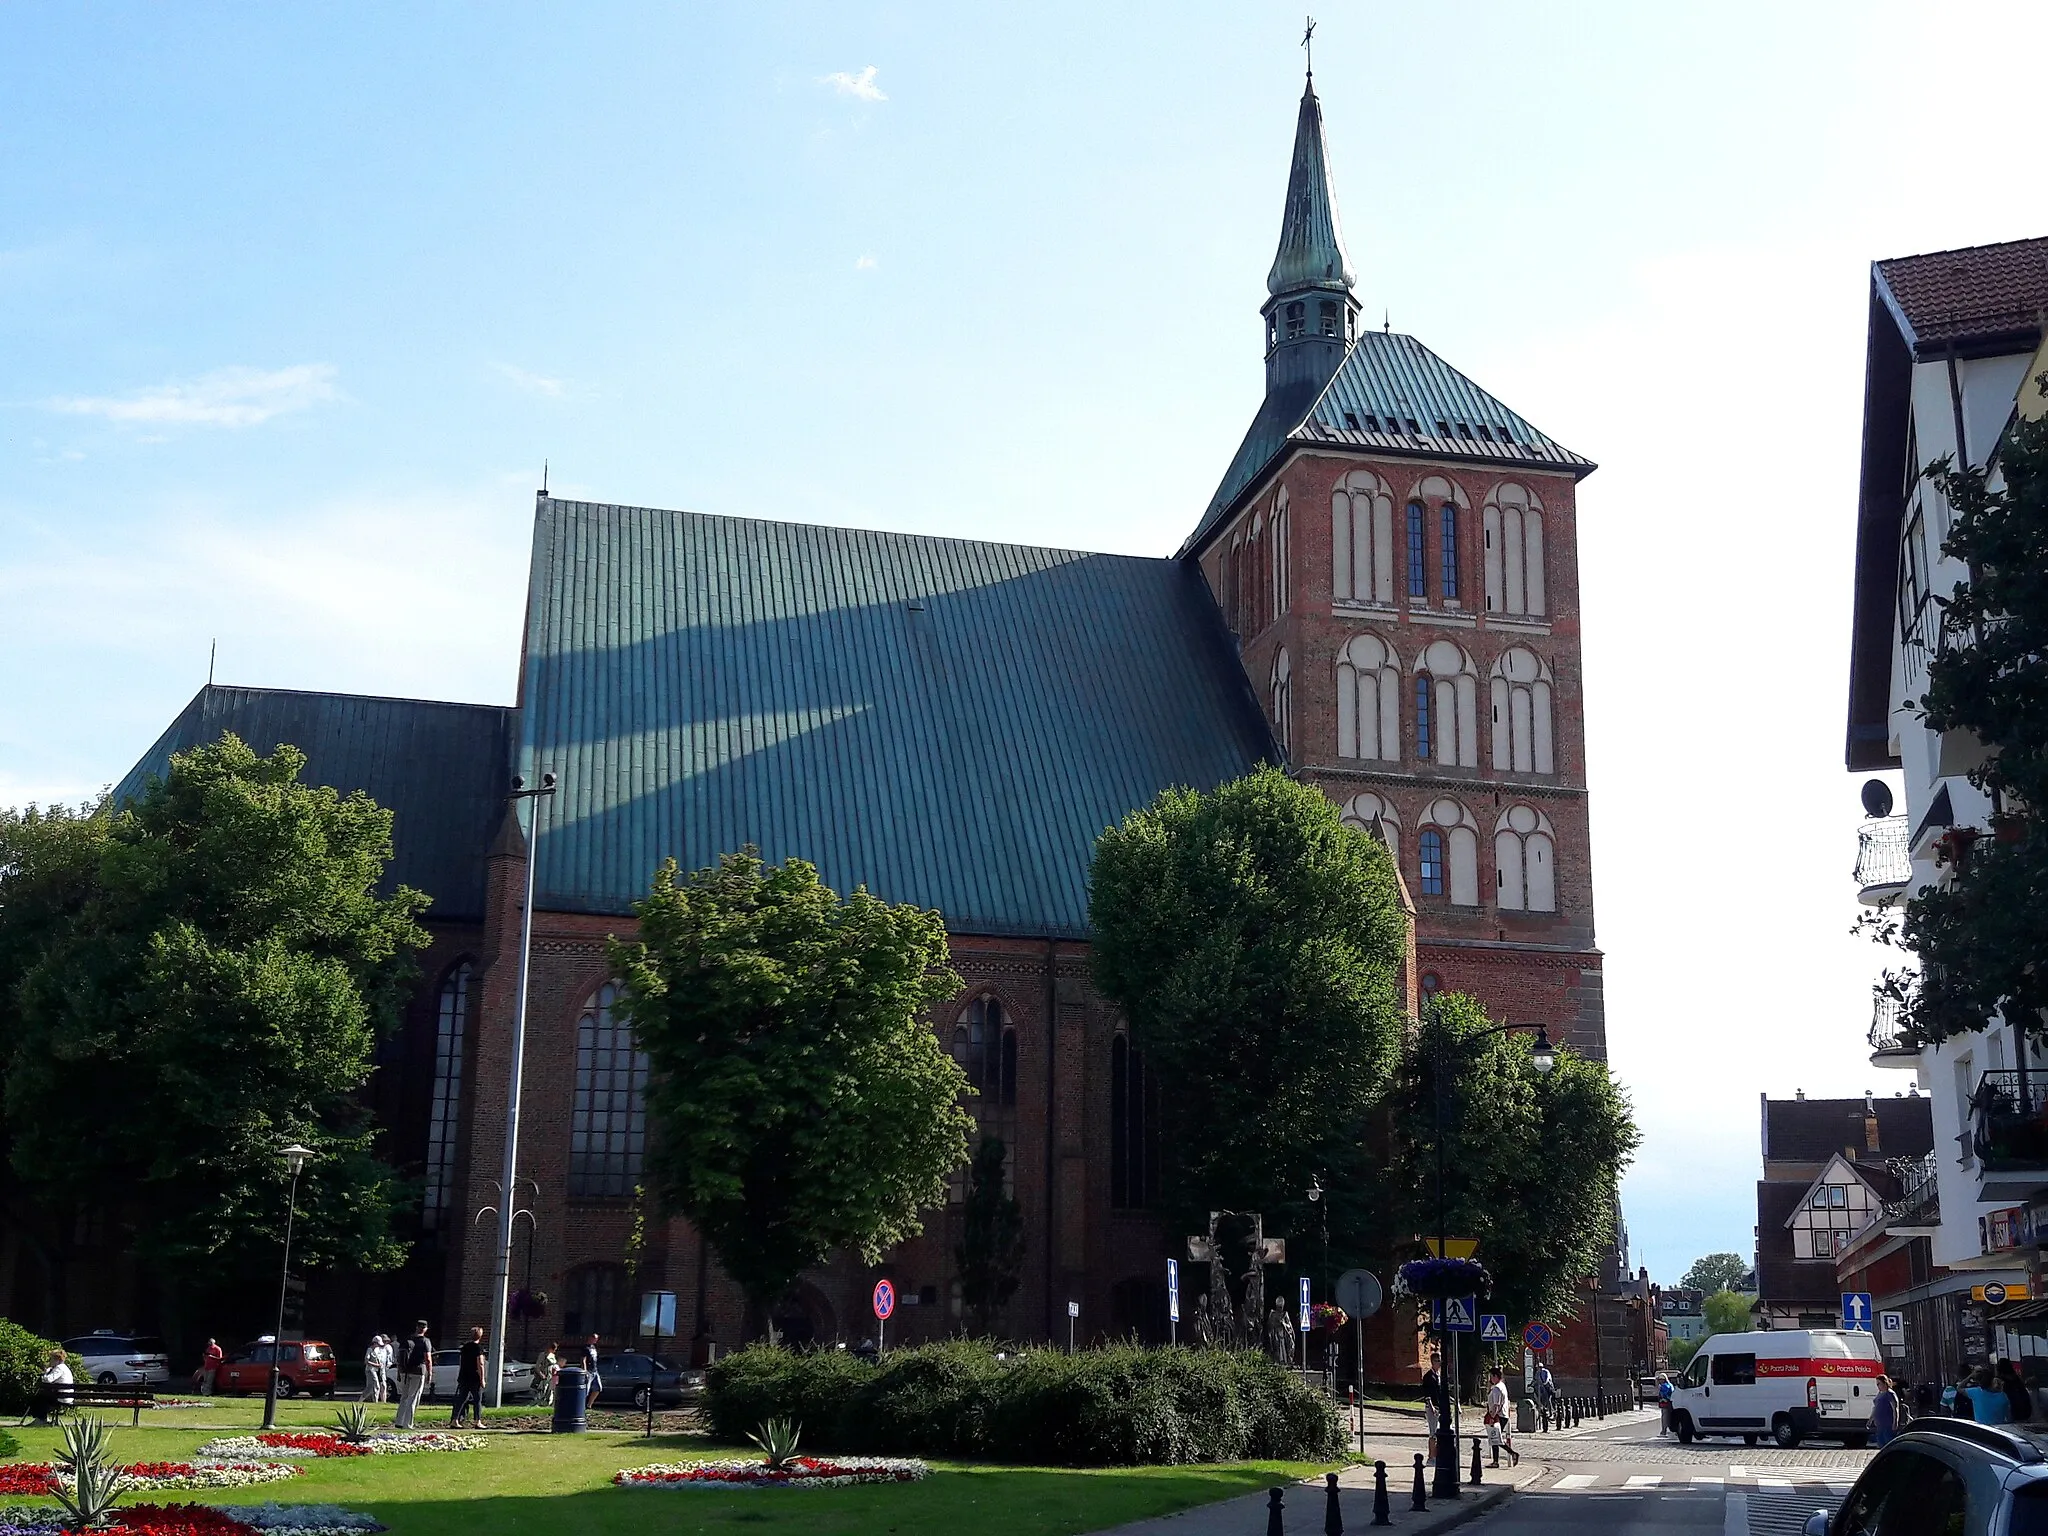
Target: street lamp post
{"type": "Point", "coordinates": [1542, 1057]}
{"type": "Point", "coordinates": [501, 1266]}
{"type": "Point", "coordinates": [1315, 1198]}
{"type": "Point", "coordinates": [295, 1156]}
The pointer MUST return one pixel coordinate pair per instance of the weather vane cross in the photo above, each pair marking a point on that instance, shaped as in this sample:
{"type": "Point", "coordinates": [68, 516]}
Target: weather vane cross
{"type": "Point", "coordinates": [1308, 43]}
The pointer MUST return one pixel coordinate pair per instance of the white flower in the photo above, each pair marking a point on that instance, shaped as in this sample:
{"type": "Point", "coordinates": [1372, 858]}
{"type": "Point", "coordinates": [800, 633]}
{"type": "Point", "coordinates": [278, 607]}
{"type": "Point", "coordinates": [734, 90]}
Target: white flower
{"type": "Point", "coordinates": [805, 1472]}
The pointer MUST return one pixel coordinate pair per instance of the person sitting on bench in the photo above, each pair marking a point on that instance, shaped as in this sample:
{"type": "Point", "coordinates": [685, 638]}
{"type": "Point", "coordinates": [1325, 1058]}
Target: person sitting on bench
{"type": "Point", "coordinates": [54, 1391]}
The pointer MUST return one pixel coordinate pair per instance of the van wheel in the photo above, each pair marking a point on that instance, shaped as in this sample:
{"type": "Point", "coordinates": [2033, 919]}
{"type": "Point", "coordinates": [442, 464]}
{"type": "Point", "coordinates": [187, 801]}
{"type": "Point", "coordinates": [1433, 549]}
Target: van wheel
{"type": "Point", "coordinates": [1684, 1426]}
{"type": "Point", "coordinates": [107, 1379]}
{"type": "Point", "coordinates": [1783, 1435]}
{"type": "Point", "coordinates": [1749, 1439]}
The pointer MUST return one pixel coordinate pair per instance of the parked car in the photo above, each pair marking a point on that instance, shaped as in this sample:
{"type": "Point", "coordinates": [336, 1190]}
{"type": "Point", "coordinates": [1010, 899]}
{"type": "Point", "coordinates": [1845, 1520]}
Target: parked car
{"type": "Point", "coordinates": [303, 1365]}
{"type": "Point", "coordinates": [1788, 1383]}
{"type": "Point", "coordinates": [115, 1357]}
{"type": "Point", "coordinates": [1646, 1391]}
{"type": "Point", "coordinates": [1947, 1477]}
{"type": "Point", "coordinates": [631, 1377]}
{"type": "Point", "coordinates": [518, 1376]}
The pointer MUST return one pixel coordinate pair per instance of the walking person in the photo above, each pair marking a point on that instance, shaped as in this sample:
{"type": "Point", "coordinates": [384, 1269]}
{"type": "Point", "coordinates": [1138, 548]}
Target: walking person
{"type": "Point", "coordinates": [545, 1370]}
{"type": "Point", "coordinates": [1884, 1414]}
{"type": "Point", "coordinates": [1546, 1393]}
{"type": "Point", "coordinates": [414, 1366]}
{"type": "Point", "coordinates": [589, 1363]}
{"type": "Point", "coordinates": [1664, 1394]}
{"type": "Point", "coordinates": [210, 1363]}
{"type": "Point", "coordinates": [469, 1380]}
{"type": "Point", "coordinates": [1499, 1433]}
{"type": "Point", "coordinates": [373, 1369]}
{"type": "Point", "coordinates": [1436, 1406]}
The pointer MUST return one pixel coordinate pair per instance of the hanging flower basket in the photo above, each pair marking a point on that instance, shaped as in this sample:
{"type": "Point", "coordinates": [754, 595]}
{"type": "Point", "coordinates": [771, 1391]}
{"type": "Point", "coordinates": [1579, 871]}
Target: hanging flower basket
{"type": "Point", "coordinates": [1439, 1279]}
{"type": "Point", "coordinates": [1324, 1317]}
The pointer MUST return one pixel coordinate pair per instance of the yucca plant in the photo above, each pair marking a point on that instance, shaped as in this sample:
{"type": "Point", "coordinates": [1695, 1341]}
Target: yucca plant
{"type": "Point", "coordinates": [777, 1439]}
{"type": "Point", "coordinates": [87, 1442]}
{"type": "Point", "coordinates": [352, 1423]}
{"type": "Point", "coordinates": [89, 1498]}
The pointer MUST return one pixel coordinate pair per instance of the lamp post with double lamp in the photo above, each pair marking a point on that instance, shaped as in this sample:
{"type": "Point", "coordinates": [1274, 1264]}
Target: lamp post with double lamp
{"type": "Point", "coordinates": [295, 1156]}
{"type": "Point", "coordinates": [1542, 1057]}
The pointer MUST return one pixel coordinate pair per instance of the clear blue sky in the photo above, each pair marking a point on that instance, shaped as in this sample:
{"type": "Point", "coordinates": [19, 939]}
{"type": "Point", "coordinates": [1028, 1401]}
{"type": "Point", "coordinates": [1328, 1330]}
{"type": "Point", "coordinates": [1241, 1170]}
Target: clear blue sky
{"type": "Point", "coordinates": [294, 301]}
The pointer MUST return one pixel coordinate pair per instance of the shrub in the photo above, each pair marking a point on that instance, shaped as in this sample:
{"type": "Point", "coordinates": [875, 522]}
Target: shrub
{"type": "Point", "coordinates": [1103, 1407]}
{"type": "Point", "coordinates": [22, 1357]}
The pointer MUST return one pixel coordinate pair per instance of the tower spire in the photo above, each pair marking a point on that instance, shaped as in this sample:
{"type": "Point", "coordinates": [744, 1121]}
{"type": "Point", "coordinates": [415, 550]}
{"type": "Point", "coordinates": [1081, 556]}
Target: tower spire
{"type": "Point", "coordinates": [1312, 311]}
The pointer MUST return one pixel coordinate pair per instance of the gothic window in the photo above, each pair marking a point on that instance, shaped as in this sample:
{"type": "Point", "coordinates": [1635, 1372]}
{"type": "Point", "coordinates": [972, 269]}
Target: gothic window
{"type": "Point", "coordinates": [1277, 539]}
{"type": "Point", "coordinates": [1280, 699]}
{"type": "Point", "coordinates": [985, 1046]}
{"type": "Point", "coordinates": [1425, 715]}
{"type": "Point", "coordinates": [1368, 700]}
{"type": "Point", "coordinates": [1455, 717]}
{"type": "Point", "coordinates": [596, 1302]}
{"type": "Point", "coordinates": [1362, 538]}
{"type": "Point", "coordinates": [1133, 1128]}
{"type": "Point", "coordinates": [1458, 861]}
{"type": "Point", "coordinates": [1418, 539]}
{"type": "Point", "coordinates": [1432, 986]}
{"type": "Point", "coordinates": [1297, 319]}
{"type": "Point", "coordinates": [1521, 712]}
{"type": "Point", "coordinates": [1513, 531]}
{"type": "Point", "coordinates": [1449, 564]}
{"type": "Point", "coordinates": [1328, 314]}
{"type": "Point", "coordinates": [444, 1111]}
{"type": "Point", "coordinates": [608, 1117]}
{"type": "Point", "coordinates": [1432, 862]}
{"type": "Point", "coordinates": [1363, 809]}
{"type": "Point", "coordinates": [1524, 860]}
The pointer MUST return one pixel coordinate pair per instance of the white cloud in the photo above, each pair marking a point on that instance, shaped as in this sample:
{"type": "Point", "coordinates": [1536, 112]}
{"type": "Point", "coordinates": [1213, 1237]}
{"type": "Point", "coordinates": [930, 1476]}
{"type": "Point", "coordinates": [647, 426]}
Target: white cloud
{"type": "Point", "coordinates": [227, 397]}
{"type": "Point", "coordinates": [861, 87]}
{"type": "Point", "coordinates": [865, 264]}
{"type": "Point", "coordinates": [534, 383]}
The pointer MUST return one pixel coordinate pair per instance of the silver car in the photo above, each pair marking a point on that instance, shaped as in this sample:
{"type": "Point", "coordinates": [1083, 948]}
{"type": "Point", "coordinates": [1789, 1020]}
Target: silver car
{"type": "Point", "coordinates": [116, 1357]}
{"type": "Point", "coordinates": [1948, 1477]}
{"type": "Point", "coordinates": [518, 1376]}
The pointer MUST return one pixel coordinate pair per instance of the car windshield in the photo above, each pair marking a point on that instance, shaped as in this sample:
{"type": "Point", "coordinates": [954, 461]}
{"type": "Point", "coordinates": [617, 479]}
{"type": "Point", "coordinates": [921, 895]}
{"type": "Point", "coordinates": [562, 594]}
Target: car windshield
{"type": "Point", "coordinates": [146, 1346]}
{"type": "Point", "coordinates": [97, 1344]}
{"type": "Point", "coordinates": [319, 1352]}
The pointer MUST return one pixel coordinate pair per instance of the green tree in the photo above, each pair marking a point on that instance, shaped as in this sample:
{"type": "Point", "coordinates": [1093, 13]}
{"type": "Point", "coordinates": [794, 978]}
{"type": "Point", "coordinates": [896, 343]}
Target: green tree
{"type": "Point", "coordinates": [1979, 936]}
{"type": "Point", "coordinates": [1726, 1312]}
{"type": "Point", "coordinates": [1714, 1272]}
{"type": "Point", "coordinates": [990, 1254]}
{"type": "Point", "coordinates": [798, 1101]}
{"type": "Point", "coordinates": [1680, 1352]}
{"type": "Point", "coordinates": [211, 986]}
{"type": "Point", "coordinates": [1255, 943]}
{"type": "Point", "coordinates": [1530, 1162]}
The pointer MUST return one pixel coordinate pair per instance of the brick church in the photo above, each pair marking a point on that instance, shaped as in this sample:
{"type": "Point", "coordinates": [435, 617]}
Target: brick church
{"type": "Point", "coordinates": [1382, 595]}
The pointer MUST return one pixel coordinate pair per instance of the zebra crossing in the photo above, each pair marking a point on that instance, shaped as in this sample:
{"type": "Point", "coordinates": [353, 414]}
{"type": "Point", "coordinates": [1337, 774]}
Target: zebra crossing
{"type": "Point", "coordinates": [1834, 1480]}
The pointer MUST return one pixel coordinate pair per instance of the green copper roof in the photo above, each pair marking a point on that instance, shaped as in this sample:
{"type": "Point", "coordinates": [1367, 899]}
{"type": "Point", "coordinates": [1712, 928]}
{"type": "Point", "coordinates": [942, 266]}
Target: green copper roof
{"type": "Point", "coordinates": [1392, 395]}
{"type": "Point", "coordinates": [1311, 253]}
{"type": "Point", "coordinates": [442, 770]}
{"type": "Point", "coordinates": [946, 722]}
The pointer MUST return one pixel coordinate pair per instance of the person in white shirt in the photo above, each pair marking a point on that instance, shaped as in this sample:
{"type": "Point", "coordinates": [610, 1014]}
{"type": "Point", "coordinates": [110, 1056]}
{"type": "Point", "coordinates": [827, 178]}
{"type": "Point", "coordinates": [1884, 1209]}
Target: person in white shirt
{"type": "Point", "coordinates": [55, 1390]}
{"type": "Point", "coordinates": [1498, 1434]}
{"type": "Point", "coordinates": [373, 1370]}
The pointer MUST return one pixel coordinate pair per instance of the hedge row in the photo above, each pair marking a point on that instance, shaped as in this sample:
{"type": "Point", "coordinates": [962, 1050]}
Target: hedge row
{"type": "Point", "coordinates": [22, 1358]}
{"type": "Point", "coordinates": [1120, 1406]}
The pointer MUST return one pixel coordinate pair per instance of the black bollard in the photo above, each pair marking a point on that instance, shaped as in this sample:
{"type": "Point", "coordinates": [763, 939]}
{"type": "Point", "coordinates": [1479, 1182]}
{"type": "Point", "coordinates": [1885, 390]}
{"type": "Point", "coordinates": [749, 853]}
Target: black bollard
{"type": "Point", "coordinates": [1333, 1516]}
{"type": "Point", "coordinates": [1273, 1526]}
{"type": "Point", "coordinates": [1382, 1511]}
{"type": "Point", "coordinates": [1475, 1461]}
{"type": "Point", "coordinates": [1419, 1499]}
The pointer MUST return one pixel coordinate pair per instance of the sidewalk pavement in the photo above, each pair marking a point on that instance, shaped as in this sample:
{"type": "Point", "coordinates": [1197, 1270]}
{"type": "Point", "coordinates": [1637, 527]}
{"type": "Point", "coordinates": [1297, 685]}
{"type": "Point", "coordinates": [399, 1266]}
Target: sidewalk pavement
{"type": "Point", "coordinates": [1394, 1424]}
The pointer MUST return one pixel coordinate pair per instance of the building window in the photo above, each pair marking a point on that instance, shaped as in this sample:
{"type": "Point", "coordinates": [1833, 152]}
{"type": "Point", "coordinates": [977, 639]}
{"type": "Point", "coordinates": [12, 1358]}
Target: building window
{"type": "Point", "coordinates": [985, 1045]}
{"type": "Point", "coordinates": [1432, 845]}
{"type": "Point", "coordinates": [1524, 861]}
{"type": "Point", "coordinates": [1277, 554]}
{"type": "Point", "coordinates": [608, 1117]}
{"type": "Point", "coordinates": [1432, 985]}
{"type": "Point", "coordinates": [1521, 712]}
{"type": "Point", "coordinates": [1365, 809]}
{"type": "Point", "coordinates": [1328, 315]}
{"type": "Point", "coordinates": [1133, 1128]}
{"type": "Point", "coordinates": [1368, 700]}
{"type": "Point", "coordinates": [1297, 320]}
{"type": "Point", "coordinates": [1418, 578]}
{"type": "Point", "coordinates": [1455, 721]}
{"type": "Point", "coordinates": [1425, 696]}
{"type": "Point", "coordinates": [1450, 552]}
{"type": "Point", "coordinates": [1513, 536]}
{"type": "Point", "coordinates": [1362, 535]}
{"type": "Point", "coordinates": [1280, 700]}
{"type": "Point", "coordinates": [596, 1303]}
{"type": "Point", "coordinates": [444, 1112]}
{"type": "Point", "coordinates": [1458, 865]}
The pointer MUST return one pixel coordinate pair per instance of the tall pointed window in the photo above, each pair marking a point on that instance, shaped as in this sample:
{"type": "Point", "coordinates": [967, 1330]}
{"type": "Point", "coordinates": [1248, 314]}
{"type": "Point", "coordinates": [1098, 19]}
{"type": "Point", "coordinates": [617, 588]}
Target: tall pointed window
{"type": "Point", "coordinates": [443, 1114]}
{"type": "Point", "coordinates": [1362, 538]}
{"type": "Point", "coordinates": [1521, 712]}
{"type": "Point", "coordinates": [608, 1116]}
{"type": "Point", "coordinates": [1513, 530]}
{"type": "Point", "coordinates": [985, 1046]}
{"type": "Point", "coordinates": [1458, 840]}
{"type": "Point", "coordinates": [1418, 540]}
{"type": "Point", "coordinates": [1425, 709]}
{"type": "Point", "coordinates": [1431, 844]}
{"type": "Point", "coordinates": [1524, 854]}
{"type": "Point", "coordinates": [1449, 563]}
{"type": "Point", "coordinates": [1368, 700]}
{"type": "Point", "coordinates": [1133, 1128]}
{"type": "Point", "coordinates": [1454, 722]}
{"type": "Point", "coordinates": [1281, 700]}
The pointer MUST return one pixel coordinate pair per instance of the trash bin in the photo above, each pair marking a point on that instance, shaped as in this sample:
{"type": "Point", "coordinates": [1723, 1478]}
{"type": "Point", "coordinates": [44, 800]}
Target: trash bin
{"type": "Point", "coordinates": [1525, 1416]}
{"type": "Point", "coordinates": [572, 1389]}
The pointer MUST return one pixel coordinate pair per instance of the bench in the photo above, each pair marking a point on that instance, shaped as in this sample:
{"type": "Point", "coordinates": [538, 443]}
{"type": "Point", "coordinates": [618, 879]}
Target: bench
{"type": "Point", "coordinates": [132, 1395]}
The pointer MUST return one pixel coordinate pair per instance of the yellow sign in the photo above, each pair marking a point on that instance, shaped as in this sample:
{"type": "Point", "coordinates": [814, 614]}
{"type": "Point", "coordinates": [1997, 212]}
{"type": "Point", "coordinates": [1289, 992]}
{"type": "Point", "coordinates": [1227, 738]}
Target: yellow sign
{"type": "Point", "coordinates": [1998, 1295]}
{"type": "Point", "coordinates": [1453, 1247]}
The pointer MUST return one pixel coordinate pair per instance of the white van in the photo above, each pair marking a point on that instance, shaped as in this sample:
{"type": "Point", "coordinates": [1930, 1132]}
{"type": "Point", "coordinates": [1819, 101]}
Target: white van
{"type": "Point", "coordinates": [1787, 1383]}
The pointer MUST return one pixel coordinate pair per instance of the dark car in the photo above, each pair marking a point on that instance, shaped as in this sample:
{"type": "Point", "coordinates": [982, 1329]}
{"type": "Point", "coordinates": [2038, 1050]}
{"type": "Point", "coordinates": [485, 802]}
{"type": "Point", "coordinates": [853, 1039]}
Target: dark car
{"type": "Point", "coordinates": [631, 1377]}
{"type": "Point", "coordinates": [1948, 1477]}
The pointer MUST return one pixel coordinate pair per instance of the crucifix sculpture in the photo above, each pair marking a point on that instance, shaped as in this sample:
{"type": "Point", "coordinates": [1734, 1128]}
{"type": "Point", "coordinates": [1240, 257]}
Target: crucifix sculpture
{"type": "Point", "coordinates": [1230, 1327]}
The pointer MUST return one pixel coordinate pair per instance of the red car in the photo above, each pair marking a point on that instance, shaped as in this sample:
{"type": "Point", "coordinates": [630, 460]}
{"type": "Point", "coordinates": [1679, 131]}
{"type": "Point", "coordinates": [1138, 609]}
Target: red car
{"type": "Point", "coordinates": [306, 1366]}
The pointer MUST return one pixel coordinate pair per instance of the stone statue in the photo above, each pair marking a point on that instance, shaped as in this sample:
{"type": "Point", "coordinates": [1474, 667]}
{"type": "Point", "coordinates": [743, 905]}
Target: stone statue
{"type": "Point", "coordinates": [1205, 1329]}
{"type": "Point", "coordinates": [1280, 1334]}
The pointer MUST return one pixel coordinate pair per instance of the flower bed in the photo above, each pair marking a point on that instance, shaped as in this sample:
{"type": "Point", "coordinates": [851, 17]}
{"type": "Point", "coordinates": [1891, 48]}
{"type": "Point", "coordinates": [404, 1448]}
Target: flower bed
{"type": "Point", "coordinates": [40, 1479]}
{"type": "Point", "coordinates": [203, 1520]}
{"type": "Point", "coordinates": [803, 1472]}
{"type": "Point", "coordinates": [270, 1443]}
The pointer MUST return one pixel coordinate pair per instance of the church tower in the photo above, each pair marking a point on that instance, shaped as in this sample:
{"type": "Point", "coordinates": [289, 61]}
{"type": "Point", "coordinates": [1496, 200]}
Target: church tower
{"type": "Point", "coordinates": [1395, 551]}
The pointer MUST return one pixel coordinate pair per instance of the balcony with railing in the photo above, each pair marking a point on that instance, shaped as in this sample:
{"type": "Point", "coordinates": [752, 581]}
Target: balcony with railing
{"type": "Point", "coordinates": [1892, 1041]}
{"type": "Point", "coordinates": [1884, 860]}
{"type": "Point", "coordinates": [1919, 1203]}
{"type": "Point", "coordinates": [2009, 1133]}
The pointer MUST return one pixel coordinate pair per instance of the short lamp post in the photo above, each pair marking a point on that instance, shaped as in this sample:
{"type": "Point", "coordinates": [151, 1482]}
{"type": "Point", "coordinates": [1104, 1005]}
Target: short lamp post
{"type": "Point", "coordinates": [295, 1157]}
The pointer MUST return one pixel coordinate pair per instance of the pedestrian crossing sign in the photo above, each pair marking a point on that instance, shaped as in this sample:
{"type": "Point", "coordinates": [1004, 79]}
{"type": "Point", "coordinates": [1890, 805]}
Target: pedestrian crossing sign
{"type": "Point", "coordinates": [1458, 1314]}
{"type": "Point", "coordinates": [1493, 1328]}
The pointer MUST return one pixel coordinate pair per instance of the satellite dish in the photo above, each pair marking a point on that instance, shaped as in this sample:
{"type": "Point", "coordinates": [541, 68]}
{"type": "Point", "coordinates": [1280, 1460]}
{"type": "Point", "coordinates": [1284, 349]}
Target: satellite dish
{"type": "Point", "coordinates": [1877, 798]}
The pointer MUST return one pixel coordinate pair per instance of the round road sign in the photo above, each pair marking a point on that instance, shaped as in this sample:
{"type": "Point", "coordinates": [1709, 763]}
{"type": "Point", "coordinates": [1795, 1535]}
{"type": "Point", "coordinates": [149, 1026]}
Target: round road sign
{"type": "Point", "coordinates": [1358, 1292]}
{"type": "Point", "coordinates": [1995, 1294]}
{"type": "Point", "coordinates": [885, 1299]}
{"type": "Point", "coordinates": [1536, 1336]}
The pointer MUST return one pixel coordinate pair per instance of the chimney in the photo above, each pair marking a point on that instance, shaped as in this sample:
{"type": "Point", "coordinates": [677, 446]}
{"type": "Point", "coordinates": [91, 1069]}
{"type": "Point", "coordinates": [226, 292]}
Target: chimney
{"type": "Point", "coordinates": [1870, 1140]}
{"type": "Point", "coordinates": [1869, 1102]}
{"type": "Point", "coordinates": [1798, 1093]}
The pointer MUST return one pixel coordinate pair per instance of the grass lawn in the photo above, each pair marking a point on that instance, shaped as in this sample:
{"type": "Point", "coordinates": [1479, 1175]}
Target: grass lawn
{"type": "Point", "coordinates": [524, 1483]}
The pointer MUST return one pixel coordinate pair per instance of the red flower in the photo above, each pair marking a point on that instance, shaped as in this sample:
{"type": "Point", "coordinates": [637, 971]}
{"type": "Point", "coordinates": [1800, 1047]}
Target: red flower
{"type": "Point", "coordinates": [320, 1444]}
{"type": "Point", "coordinates": [179, 1520]}
{"type": "Point", "coordinates": [34, 1478]}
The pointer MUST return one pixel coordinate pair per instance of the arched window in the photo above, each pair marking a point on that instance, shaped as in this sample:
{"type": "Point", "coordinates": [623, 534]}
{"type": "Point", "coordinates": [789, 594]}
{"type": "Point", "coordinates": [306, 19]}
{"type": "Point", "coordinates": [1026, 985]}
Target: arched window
{"type": "Point", "coordinates": [1327, 313]}
{"type": "Point", "coordinates": [595, 1302]}
{"type": "Point", "coordinates": [1363, 810]}
{"type": "Point", "coordinates": [1521, 712]}
{"type": "Point", "coordinates": [1432, 987]}
{"type": "Point", "coordinates": [1431, 844]}
{"type": "Point", "coordinates": [1368, 700]}
{"type": "Point", "coordinates": [1425, 717]}
{"type": "Point", "coordinates": [1277, 540]}
{"type": "Point", "coordinates": [1457, 841]}
{"type": "Point", "coordinates": [985, 1045]}
{"type": "Point", "coordinates": [608, 1117]}
{"type": "Point", "coordinates": [1297, 319]}
{"type": "Point", "coordinates": [1524, 858]}
{"type": "Point", "coordinates": [1448, 565]}
{"type": "Point", "coordinates": [1280, 700]}
{"type": "Point", "coordinates": [1513, 522]}
{"type": "Point", "coordinates": [1133, 1128]}
{"type": "Point", "coordinates": [444, 1113]}
{"type": "Point", "coordinates": [1454, 681]}
{"type": "Point", "coordinates": [1418, 542]}
{"type": "Point", "coordinates": [1362, 538]}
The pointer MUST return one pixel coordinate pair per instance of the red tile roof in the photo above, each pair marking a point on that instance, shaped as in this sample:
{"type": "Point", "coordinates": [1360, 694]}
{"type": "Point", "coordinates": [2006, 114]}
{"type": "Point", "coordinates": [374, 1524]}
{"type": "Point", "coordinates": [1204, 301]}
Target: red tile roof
{"type": "Point", "coordinates": [1972, 294]}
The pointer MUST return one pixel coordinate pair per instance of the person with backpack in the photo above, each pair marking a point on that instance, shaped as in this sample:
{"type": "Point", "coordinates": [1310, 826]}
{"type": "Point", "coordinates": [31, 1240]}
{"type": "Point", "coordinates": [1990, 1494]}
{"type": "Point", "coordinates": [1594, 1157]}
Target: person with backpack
{"type": "Point", "coordinates": [415, 1368]}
